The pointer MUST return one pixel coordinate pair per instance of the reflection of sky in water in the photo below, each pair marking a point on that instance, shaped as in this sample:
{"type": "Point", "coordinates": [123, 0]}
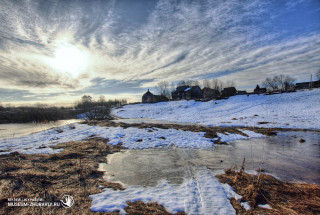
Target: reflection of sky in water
{"type": "Point", "coordinates": [22, 129]}
{"type": "Point", "coordinates": [283, 156]}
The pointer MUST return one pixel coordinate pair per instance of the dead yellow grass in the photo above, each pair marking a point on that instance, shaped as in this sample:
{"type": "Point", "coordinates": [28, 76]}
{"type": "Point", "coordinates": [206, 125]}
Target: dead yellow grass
{"type": "Point", "coordinates": [71, 172]}
{"type": "Point", "coordinates": [283, 197]}
{"type": "Point", "coordinates": [152, 208]}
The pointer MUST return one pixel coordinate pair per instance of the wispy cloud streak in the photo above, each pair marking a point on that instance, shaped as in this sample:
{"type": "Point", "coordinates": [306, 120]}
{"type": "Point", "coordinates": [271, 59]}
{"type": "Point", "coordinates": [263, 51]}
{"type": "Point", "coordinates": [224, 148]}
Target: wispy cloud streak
{"type": "Point", "coordinates": [143, 42]}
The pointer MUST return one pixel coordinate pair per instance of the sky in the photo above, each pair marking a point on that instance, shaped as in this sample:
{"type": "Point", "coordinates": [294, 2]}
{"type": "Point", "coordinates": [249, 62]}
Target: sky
{"type": "Point", "coordinates": [56, 51]}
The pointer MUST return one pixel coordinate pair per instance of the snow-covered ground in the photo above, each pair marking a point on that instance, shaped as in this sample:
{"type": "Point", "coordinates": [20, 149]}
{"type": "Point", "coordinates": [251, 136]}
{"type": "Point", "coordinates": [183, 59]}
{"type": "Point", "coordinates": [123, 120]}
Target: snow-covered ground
{"type": "Point", "coordinates": [201, 194]}
{"type": "Point", "coordinates": [132, 138]}
{"type": "Point", "coordinates": [288, 110]}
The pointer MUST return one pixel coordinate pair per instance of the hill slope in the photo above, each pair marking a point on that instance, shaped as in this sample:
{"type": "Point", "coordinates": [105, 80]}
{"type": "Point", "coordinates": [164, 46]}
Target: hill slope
{"type": "Point", "coordinates": [288, 110]}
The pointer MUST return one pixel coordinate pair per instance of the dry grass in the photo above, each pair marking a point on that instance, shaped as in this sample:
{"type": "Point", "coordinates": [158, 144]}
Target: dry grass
{"type": "Point", "coordinates": [283, 197]}
{"type": "Point", "coordinates": [70, 172]}
{"type": "Point", "coordinates": [152, 208]}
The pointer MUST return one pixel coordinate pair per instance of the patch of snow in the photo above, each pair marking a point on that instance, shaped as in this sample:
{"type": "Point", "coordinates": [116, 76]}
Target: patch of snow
{"type": "Point", "coordinates": [132, 138]}
{"type": "Point", "coordinates": [265, 206]}
{"type": "Point", "coordinates": [286, 110]}
{"type": "Point", "coordinates": [245, 205]}
{"type": "Point", "coordinates": [202, 194]}
{"type": "Point", "coordinates": [232, 137]}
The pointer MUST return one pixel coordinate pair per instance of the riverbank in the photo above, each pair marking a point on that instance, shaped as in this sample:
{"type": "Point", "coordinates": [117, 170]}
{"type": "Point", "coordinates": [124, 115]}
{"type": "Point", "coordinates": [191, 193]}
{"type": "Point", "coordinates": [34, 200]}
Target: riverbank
{"type": "Point", "coordinates": [66, 159]}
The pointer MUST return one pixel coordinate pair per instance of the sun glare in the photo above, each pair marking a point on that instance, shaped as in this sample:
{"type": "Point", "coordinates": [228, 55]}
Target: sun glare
{"type": "Point", "coordinates": [70, 60]}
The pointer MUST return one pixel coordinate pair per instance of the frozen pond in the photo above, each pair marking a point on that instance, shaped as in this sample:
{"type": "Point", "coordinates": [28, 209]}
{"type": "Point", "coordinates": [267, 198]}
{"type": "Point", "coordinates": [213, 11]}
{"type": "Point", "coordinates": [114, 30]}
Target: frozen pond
{"type": "Point", "coordinates": [282, 156]}
{"type": "Point", "coordinates": [12, 130]}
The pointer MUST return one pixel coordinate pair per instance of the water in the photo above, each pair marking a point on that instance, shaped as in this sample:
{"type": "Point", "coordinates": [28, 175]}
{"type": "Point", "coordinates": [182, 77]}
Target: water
{"type": "Point", "coordinates": [282, 156]}
{"type": "Point", "coordinates": [12, 130]}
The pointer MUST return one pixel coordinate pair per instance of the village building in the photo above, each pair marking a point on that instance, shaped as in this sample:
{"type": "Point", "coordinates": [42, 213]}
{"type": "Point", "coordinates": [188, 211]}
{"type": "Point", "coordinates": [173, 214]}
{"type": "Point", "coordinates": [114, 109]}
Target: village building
{"type": "Point", "coordinates": [187, 92]}
{"type": "Point", "coordinates": [149, 97]}
{"type": "Point", "coordinates": [241, 92]}
{"type": "Point", "coordinates": [307, 85]}
{"type": "Point", "coordinates": [209, 93]}
{"type": "Point", "coordinates": [259, 90]}
{"type": "Point", "coordinates": [229, 91]}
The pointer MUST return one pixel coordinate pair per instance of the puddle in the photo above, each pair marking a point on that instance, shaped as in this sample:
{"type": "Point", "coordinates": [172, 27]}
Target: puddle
{"type": "Point", "coordinates": [282, 156]}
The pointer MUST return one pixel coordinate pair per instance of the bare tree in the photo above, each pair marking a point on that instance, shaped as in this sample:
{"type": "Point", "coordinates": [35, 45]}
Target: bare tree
{"type": "Point", "coordinates": [270, 84]}
{"type": "Point", "coordinates": [288, 83]}
{"type": "Point", "coordinates": [217, 84]}
{"type": "Point", "coordinates": [172, 89]}
{"type": "Point", "coordinates": [193, 83]}
{"type": "Point", "coordinates": [229, 83]}
{"type": "Point", "coordinates": [279, 82]}
{"type": "Point", "coordinates": [206, 83]}
{"type": "Point", "coordinates": [163, 88]}
{"type": "Point", "coordinates": [86, 98]}
{"type": "Point", "coordinates": [102, 99]}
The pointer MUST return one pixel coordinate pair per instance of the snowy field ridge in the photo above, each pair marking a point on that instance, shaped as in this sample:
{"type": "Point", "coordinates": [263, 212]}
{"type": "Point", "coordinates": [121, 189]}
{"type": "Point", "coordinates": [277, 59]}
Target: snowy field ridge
{"type": "Point", "coordinates": [287, 110]}
{"type": "Point", "coordinates": [132, 138]}
{"type": "Point", "coordinates": [201, 194]}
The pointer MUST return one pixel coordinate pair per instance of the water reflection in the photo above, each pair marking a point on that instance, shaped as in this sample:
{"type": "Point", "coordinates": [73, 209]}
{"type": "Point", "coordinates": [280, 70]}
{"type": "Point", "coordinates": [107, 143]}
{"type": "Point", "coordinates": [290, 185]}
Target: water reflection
{"type": "Point", "coordinates": [282, 155]}
{"type": "Point", "coordinates": [12, 130]}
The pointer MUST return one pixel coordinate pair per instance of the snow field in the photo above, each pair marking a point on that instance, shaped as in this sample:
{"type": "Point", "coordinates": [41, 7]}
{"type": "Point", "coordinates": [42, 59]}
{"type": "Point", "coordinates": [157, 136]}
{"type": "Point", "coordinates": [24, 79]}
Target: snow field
{"type": "Point", "coordinates": [288, 110]}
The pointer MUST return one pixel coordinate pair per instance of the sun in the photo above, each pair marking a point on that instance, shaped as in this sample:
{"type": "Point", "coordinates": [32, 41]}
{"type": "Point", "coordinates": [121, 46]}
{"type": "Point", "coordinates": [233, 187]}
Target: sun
{"type": "Point", "coordinates": [69, 59]}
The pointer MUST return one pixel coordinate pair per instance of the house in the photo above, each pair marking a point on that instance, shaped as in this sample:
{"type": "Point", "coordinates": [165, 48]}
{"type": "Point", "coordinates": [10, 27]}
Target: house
{"type": "Point", "coordinates": [307, 85]}
{"type": "Point", "coordinates": [209, 93]}
{"type": "Point", "coordinates": [241, 92]}
{"type": "Point", "coordinates": [229, 91]}
{"type": "Point", "coordinates": [259, 90]}
{"type": "Point", "coordinates": [149, 97]}
{"type": "Point", "coordinates": [187, 92]}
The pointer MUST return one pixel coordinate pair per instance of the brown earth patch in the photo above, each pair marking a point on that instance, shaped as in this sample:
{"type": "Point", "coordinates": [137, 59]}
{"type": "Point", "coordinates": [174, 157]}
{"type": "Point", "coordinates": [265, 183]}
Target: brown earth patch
{"type": "Point", "coordinates": [283, 197]}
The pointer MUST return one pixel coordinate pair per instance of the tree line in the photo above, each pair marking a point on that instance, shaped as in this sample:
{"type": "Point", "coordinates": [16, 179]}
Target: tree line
{"type": "Point", "coordinates": [98, 109]}
{"type": "Point", "coordinates": [92, 109]}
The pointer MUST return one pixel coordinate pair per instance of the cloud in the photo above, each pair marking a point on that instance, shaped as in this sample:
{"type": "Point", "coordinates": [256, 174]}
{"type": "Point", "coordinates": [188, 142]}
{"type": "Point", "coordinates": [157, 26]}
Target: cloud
{"type": "Point", "coordinates": [135, 44]}
{"type": "Point", "coordinates": [102, 86]}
